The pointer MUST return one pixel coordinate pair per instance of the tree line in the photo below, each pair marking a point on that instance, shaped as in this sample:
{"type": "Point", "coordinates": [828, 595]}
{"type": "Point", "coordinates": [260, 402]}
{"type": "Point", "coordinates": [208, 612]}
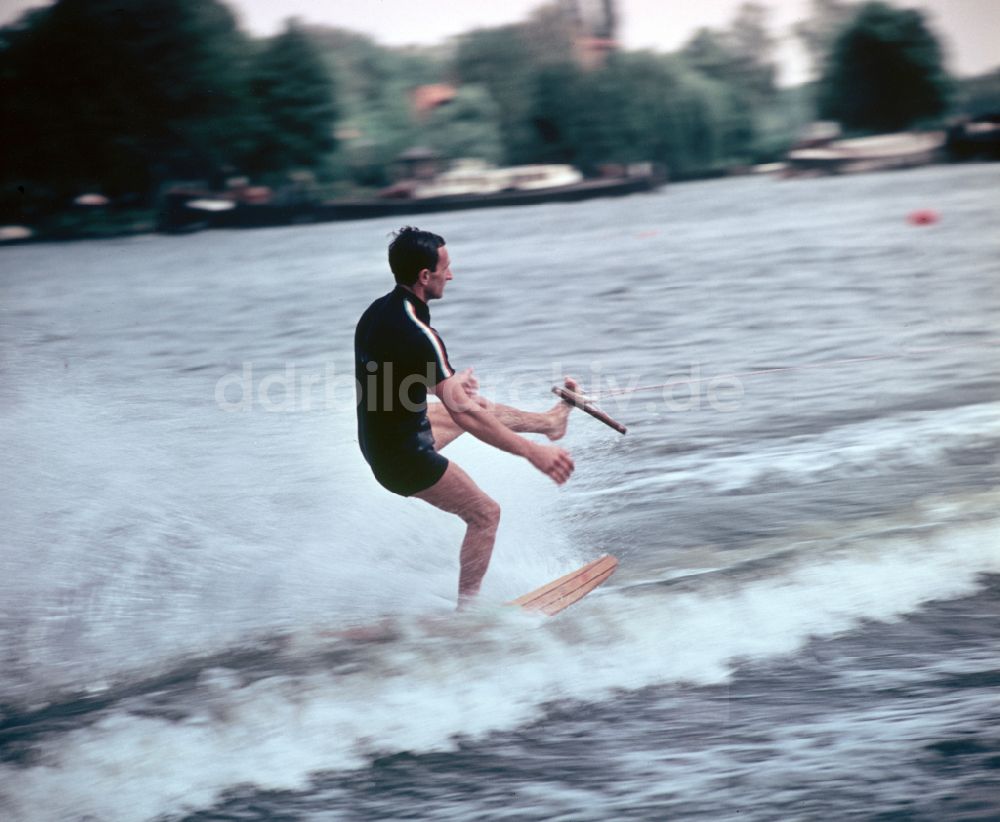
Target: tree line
{"type": "Point", "coordinates": [126, 96]}
{"type": "Point", "coordinates": [122, 96]}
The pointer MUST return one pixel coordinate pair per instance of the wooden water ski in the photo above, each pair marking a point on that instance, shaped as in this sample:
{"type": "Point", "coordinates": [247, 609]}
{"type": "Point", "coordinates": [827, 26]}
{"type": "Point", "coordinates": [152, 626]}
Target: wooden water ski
{"type": "Point", "coordinates": [561, 593]}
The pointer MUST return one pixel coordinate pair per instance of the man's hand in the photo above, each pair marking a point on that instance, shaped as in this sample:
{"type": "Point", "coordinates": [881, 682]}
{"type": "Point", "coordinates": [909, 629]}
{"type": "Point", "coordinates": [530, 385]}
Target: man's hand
{"type": "Point", "coordinates": [469, 382]}
{"type": "Point", "coordinates": [458, 393]}
{"type": "Point", "coordinates": [471, 414]}
{"type": "Point", "coordinates": [553, 461]}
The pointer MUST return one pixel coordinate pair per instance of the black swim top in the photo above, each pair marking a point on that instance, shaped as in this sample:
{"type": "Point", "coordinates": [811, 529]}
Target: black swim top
{"type": "Point", "coordinates": [397, 355]}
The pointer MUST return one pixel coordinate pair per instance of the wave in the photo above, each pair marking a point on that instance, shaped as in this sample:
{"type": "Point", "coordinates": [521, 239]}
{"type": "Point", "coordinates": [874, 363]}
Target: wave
{"type": "Point", "coordinates": [907, 440]}
{"type": "Point", "coordinates": [325, 703]}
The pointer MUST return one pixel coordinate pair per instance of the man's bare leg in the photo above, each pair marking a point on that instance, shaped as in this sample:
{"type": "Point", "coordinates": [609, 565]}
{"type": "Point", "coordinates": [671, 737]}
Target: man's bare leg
{"type": "Point", "coordinates": [552, 423]}
{"type": "Point", "coordinates": [456, 493]}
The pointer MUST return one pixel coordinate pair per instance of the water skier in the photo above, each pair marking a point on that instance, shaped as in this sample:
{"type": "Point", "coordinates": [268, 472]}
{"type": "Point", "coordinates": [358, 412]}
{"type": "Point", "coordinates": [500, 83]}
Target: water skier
{"type": "Point", "coordinates": [399, 357]}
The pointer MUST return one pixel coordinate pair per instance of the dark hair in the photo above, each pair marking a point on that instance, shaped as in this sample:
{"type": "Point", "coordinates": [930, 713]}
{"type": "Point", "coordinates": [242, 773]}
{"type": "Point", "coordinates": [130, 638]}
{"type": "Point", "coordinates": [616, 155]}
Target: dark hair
{"type": "Point", "coordinates": [411, 251]}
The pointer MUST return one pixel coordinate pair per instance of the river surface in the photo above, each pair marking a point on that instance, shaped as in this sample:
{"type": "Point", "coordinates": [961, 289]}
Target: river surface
{"type": "Point", "coordinates": [806, 620]}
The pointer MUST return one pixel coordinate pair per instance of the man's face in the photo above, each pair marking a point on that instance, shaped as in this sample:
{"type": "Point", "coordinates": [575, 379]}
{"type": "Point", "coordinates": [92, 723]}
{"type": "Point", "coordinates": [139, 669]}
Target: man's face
{"type": "Point", "coordinates": [434, 289]}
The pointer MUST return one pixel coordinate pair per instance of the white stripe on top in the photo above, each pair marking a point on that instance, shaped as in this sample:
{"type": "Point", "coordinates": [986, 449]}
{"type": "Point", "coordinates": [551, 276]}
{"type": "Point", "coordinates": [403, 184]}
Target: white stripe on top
{"type": "Point", "coordinates": [432, 337]}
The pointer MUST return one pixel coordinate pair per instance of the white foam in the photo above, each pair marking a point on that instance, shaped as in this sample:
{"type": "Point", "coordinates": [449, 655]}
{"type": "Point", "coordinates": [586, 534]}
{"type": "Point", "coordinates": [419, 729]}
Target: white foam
{"type": "Point", "coordinates": [463, 679]}
{"type": "Point", "coordinates": [132, 546]}
{"type": "Point", "coordinates": [866, 448]}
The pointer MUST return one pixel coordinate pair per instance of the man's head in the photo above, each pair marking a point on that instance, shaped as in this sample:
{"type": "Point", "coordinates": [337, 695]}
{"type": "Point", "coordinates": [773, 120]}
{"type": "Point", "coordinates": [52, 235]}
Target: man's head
{"type": "Point", "coordinates": [419, 261]}
{"type": "Point", "coordinates": [411, 251]}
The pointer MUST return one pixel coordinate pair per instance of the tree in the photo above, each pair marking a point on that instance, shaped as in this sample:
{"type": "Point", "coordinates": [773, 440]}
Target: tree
{"type": "Point", "coordinates": [670, 114]}
{"type": "Point", "coordinates": [741, 55]}
{"type": "Point", "coordinates": [753, 50]}
{"type": "Point", "coordinates": [820, 30]}
{"type": "Point", "coordinates": [740, 61]}
{"type": "Point", "coordinates": [374, 84]}
{"type": "Point", "coordinates": [885, 72]}
{"type": "Point", "coordinates": [707, 51]}
{"type": "Point", "coordinates": [507, 61]}
{"type": "Point", "coordinates": [499, 59]}
{"type": "Point", "coordinates": [978, 96]}
{"type": "Point", "coordinates": [556, 98]}
{"type": "Point", "coordinates": [468, 126]}
{"type": "Point", "coordinates": [294, 96]}
{"type": "Point", "coordinates": [120, 94]}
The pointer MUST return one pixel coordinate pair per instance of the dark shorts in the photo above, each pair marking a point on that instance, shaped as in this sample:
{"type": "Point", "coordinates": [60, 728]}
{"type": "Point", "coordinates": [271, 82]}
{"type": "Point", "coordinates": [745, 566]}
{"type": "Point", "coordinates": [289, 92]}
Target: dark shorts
{"type": "Point", "coordinates": [409, 473]}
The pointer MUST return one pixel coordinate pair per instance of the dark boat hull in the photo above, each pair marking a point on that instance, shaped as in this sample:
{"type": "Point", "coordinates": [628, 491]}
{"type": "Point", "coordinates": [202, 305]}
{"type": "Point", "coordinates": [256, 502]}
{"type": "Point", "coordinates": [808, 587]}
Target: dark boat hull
{"type": "Point", "coordinates": [177, 217]}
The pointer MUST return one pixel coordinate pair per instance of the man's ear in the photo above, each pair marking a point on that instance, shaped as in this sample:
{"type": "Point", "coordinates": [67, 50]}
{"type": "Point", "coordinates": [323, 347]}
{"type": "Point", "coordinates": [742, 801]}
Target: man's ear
{"type": "Point", "coordinates": [424, 276]}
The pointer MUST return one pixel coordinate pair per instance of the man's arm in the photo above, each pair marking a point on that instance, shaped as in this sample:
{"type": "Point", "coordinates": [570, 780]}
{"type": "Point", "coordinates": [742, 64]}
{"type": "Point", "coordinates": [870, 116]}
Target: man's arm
{"type": "Point", "coordinates": [471, 416]}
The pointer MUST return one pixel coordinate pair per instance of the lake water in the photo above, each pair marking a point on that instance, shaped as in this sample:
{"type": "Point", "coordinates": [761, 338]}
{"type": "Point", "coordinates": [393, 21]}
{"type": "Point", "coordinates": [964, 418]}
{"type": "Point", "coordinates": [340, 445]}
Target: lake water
{"type": "Point", "coordinates": [806, 620]}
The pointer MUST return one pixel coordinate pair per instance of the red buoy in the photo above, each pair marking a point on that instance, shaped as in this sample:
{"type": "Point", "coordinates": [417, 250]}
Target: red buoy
{"type": "Point", "coordinates": [923, 216]}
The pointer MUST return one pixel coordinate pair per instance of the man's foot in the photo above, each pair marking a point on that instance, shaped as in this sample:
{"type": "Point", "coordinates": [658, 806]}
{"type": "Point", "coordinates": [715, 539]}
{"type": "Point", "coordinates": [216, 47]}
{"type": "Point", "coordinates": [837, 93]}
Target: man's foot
{"type": "Point", "coordinates": [559, 413]}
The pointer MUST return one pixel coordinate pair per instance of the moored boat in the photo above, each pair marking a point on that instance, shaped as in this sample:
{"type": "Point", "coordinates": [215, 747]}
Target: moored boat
{"type": "Point", "coordinates": [977, 138]}
{"type": "Point", "coordinates": [462, 188]}
{"type": "Point", "coordinates": [861, 154]}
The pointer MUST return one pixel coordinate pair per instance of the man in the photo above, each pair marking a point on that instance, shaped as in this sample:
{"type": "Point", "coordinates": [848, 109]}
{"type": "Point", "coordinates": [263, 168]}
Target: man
{"type": "Point", "coordinates": [398, 358]}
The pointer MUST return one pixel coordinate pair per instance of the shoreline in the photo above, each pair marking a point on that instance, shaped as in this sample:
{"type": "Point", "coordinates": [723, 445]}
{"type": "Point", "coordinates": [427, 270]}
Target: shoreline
{"type": "Point", "coordinates": [73, 225]}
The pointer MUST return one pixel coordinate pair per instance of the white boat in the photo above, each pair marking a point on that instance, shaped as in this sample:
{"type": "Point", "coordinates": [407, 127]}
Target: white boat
{"type": "Point", "coordinates": [878, 153]}
{"type": "Point", "coordinates": [476, 177]}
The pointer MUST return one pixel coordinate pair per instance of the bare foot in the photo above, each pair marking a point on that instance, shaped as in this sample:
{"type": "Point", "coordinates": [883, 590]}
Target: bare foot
{"type": "Point", "coordinates": [559, 413]}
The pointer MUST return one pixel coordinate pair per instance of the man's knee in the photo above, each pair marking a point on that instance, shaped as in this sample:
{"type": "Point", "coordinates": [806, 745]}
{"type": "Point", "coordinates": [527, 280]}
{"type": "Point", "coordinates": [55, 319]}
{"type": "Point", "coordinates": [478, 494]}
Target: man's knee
{"type": "Point", "coordinates": [484, 514]}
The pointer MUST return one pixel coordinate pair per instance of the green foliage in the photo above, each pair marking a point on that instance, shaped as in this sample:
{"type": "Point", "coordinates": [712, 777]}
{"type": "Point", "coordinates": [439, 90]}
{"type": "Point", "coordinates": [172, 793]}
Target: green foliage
{"type": "Point", "coordinates": [780, 124]}
{"type": "Point", "coordinates": [149, 91]}
{"type": "Point", "coordinates": [468, 126]}
{"type": "Point", "coordinates": [507, 61]}
{"type": "Point", "coordinates": [499, 60]}
{"type": "Point", "coordinates": [740, 56]}
{"type": "Point", "coordinates": [977, 96]}
{"type": "Point", "coordinates": [885, 72]}
{"type": "Point", "coordinates": [695, 113]}
{"type": "Point", "coordinates": [820, 30]}
{"type": "Point", "coordinates": [671, 115]}
{"type": "Point", "coordinates": [706, 52]}
{"type": "Point", "coordinates": [295, 110]}
{"type": "Point", "coordinates": [742, 95]}
{"type": "Point", "coordinates": [753, 48]}
{"type": "Point", "coordinates": [120, 93]}
{"type": "Point", "coordinates": [374, 88]}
